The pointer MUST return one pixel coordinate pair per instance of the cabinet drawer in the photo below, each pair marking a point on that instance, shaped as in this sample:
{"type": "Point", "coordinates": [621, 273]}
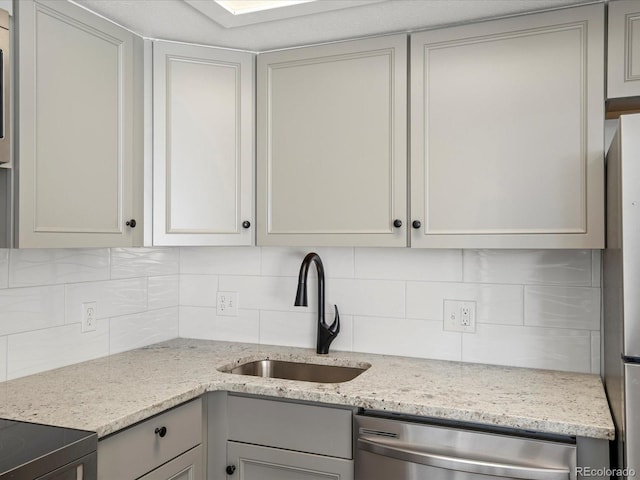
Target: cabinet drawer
{"type": "Point", "coordinates": [137, 450]}
{"type": "Point", "coordinates": [292, 426]}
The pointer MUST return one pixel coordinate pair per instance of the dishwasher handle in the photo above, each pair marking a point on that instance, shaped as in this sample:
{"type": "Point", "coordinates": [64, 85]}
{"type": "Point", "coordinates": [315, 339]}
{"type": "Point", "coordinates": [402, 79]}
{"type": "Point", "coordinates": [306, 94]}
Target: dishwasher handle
{"type": "Point", "coordinates": [484, 467]}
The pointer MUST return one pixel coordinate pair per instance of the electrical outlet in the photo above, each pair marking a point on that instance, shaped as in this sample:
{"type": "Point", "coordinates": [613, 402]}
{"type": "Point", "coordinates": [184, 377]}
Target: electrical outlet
{"type": "Point", "coordinates": [89, 317]}
{"type": "Point", "coordinates": [227, 304]}
{"type": "Point", "coordinates": [459, 316]}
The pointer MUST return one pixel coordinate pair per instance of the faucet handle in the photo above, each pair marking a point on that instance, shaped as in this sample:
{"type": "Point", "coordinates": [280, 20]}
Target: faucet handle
{"type": "Point", "coordinates": [334, 328]}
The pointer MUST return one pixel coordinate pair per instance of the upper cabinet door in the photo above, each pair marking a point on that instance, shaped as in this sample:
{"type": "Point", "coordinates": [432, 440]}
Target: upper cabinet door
{"type": "Point", "coordinates": [203, 168]}
{"type": "Point", "coordinates": [623, 70]}
{"type": "Point", "coordinates": [332, 144]}
{"type": "Point", "coordinates": [78, 144]}
{"type": "Point", "coordinates": [507, 133]}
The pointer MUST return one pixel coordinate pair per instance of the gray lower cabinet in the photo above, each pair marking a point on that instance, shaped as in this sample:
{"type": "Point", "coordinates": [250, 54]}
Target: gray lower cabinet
{"type": "Point", "coordinates": [253, 462]}
{"type": "Point", "coordinates": [252, 438]}
{"type": "Point", "coordinates": [167, 446]}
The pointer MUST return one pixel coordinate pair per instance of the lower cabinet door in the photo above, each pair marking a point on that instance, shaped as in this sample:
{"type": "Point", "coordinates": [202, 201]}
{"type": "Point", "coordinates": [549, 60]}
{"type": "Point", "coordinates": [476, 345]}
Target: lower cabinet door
{"type": "Point", "coordinates": [252, 462]}
{"type": "Point", "coordinates": [187, 466]}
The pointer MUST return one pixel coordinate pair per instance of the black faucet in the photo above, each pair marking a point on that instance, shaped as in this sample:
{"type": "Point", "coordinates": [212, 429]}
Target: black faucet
{"type": "Point", "coordinates": [326, 333]}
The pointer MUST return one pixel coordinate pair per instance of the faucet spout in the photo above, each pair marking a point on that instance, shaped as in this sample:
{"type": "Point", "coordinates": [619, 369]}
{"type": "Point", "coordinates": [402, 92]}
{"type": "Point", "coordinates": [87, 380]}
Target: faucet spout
{"type": "Point", "coordinates": [326, 333]}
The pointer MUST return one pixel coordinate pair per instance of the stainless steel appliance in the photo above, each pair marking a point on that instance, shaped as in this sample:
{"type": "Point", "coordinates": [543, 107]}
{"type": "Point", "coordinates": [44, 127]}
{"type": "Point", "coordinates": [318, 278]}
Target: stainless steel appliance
{"type": "Point", "coordinates": [31, 451]}
{"type": "Point", "coordinates": [389, 449]}
{"type": "Point", "coordinates": [621, 292]}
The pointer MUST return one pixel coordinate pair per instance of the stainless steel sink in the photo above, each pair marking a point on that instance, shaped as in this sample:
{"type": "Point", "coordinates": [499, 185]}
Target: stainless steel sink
{"type": "Point", "coordinates": [306, 372]}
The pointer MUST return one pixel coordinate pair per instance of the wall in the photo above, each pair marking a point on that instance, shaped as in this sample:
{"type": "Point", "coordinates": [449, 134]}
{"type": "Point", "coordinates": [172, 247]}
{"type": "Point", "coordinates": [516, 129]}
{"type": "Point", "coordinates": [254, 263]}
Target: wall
{"type": "Point", "coordinates": [534, 308]}
{"type": "Point", "coordinates": [41, 292]}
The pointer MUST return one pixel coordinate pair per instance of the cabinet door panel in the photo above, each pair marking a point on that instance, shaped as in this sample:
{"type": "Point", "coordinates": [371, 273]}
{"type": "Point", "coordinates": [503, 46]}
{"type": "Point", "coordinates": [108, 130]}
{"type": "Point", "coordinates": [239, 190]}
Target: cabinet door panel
{"type": "Point", "coordinates": [76, 137]}
{"type": "Point", "coordinates": [203, 145]}
{"type": "Point", "coordinates": [507, 129]}
{"type": "Point", "coordinates": [623, 59]}
{"type": "Point", "coordinates": [253, 462]}
{"type": "Point", "coordinates": [331, 136]}
{"type": "Point", "coordinates": [187, 466]}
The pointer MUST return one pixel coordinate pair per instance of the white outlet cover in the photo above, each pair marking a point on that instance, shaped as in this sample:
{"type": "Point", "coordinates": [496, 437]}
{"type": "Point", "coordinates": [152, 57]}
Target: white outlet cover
{"type": "Point", "coordinates": [452, 321]}
{"type": "Point", "coordinates": [227, 304]}
{"type": "Point", "coordinates": [89, 317]}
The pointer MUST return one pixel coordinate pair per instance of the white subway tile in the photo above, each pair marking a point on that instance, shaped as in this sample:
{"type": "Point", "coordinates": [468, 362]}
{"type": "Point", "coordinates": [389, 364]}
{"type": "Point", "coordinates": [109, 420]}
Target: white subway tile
{"type": "Point", "coordinates": [406, 337]}
{"type": "Point", "coordinates": [144, 262]}
{"type": "Point", "coordinates": [532, 347]}
{"type": "Point", "coordinates": [32, 267]}
{"type": "Point", "coordinates": [562, 307]}
{"type": "Point", "coordinates": [134, 331]}
{"type": "Point", "coordinates": [199, 290]}
{"type": "Point", "coordinates": [384, 298]}
{"type": "Point", "coordinates": [293, 329]}
{"type": "Point", "coordinates": [113, 298]}
{"type": "Point", "coordinates": [285, 261]}
{"type": "Point", "coordinates": [268, 293]}
{"type": "Point", "coordinates": [4, 267]}
{"type": "Point", "coordinates": [408, 264]}
{"type": "Point", "coordinates": [595, 352]}
{"type": "Point", "coordinates": [31, 308]}
{"type": "Point", "coordinates": [221, 260]}
{"type": "Point", "coordinates": [163, 292]}
{"type": "Point", "coordinates": [41, 350]}
{"type": "Point", "coordinates": [202, 322]}
{"type": "Point", "coordinates": [3, 359]}
{"type": "Point", "coordinates": [530, 267]}
{"type": "Point", "coordinates": [502, 304]}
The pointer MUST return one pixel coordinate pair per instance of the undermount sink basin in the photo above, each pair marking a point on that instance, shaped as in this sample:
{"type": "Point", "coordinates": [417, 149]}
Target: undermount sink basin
{"type": "Point", "coordinates": [306, 372]}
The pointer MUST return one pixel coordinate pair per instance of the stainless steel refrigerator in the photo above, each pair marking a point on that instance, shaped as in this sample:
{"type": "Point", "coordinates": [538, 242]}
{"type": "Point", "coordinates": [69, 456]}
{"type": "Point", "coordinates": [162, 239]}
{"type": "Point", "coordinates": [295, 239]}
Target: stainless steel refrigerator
{"type": "Point", "coordinates": [621, 291]}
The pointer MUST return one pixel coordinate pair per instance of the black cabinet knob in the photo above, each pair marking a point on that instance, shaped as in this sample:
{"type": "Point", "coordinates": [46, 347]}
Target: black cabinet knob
{"type": "Point", "coordinates": [397, 223]}
{"type": "Point", "coordinates": [231, 469]}
{"type": "Point", "coordinates": [246, 224]}
{"type": "Point", "coordinates": [161, 431]}
{"type": "Point", "coordinates": [131, 223]}
{"type": "Point", "coordinates": [416, 224]}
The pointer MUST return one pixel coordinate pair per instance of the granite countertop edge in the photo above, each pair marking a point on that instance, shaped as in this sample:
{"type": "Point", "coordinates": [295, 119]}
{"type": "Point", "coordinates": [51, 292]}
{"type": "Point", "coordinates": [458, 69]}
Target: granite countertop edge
{"type": "Point", "coordinates": [111, 393]}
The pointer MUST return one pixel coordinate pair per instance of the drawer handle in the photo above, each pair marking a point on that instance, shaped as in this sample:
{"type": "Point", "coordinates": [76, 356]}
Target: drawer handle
{"type": "Point", "coordinates": [161, 431]}
{"type": "Point", "coordinates": [231, 469]}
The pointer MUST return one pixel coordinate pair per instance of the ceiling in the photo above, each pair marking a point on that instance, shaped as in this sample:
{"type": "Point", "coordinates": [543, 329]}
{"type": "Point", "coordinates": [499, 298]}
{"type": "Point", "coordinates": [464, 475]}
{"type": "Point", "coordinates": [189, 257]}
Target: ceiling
{"type": "Point", "coordinates": [196, 21]}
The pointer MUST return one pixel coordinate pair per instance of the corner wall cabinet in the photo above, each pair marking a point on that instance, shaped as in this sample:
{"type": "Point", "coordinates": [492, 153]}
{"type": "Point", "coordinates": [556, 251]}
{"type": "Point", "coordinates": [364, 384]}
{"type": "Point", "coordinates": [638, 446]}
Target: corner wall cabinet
{"type": "Point", "coordinates": [623, 59]}
{"type": "Point", "coordinates": [332, 144]}
{"type": "Point", "coordinates": [79, 131]}
{"type": "Point", "coordinates": [507, 122]}
{"type": "Point", "coordinates": [203, 173]}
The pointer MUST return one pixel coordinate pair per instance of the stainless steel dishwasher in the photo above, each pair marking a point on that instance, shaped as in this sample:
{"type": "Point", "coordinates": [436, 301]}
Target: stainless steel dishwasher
{"type": "Point", "coordinates": [390, 449]}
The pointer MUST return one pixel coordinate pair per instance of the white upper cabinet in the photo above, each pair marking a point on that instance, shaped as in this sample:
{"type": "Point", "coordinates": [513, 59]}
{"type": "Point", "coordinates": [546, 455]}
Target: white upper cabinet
{"type": "Point", "coordinates": [507, 126]}
{"type": "Point", "coordinates": [331, 161]}
{"type": "Point", "coordinates": [80, 129]}
{"type": "Point", "coordinates": [623, 69]}
{"type": "Point", "coordinates": [203, 148]}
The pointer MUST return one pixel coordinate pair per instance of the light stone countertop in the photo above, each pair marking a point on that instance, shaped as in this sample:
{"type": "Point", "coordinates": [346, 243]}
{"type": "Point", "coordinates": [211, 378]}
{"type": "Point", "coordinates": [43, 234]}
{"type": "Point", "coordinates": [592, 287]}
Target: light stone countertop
{"type": "Point", "coordinates": [110, 393]}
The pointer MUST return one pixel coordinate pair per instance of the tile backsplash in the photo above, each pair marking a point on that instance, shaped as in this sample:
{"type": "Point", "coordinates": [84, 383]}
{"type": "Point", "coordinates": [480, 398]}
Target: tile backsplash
{"type": "Point", "coordinates": [42, 291]}
{"type": "Point", "coordinates": [534, 308]}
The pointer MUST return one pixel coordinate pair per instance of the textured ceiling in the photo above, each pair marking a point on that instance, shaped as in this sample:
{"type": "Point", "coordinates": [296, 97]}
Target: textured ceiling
{"type": "Point", "coordinates": [177, 20]}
